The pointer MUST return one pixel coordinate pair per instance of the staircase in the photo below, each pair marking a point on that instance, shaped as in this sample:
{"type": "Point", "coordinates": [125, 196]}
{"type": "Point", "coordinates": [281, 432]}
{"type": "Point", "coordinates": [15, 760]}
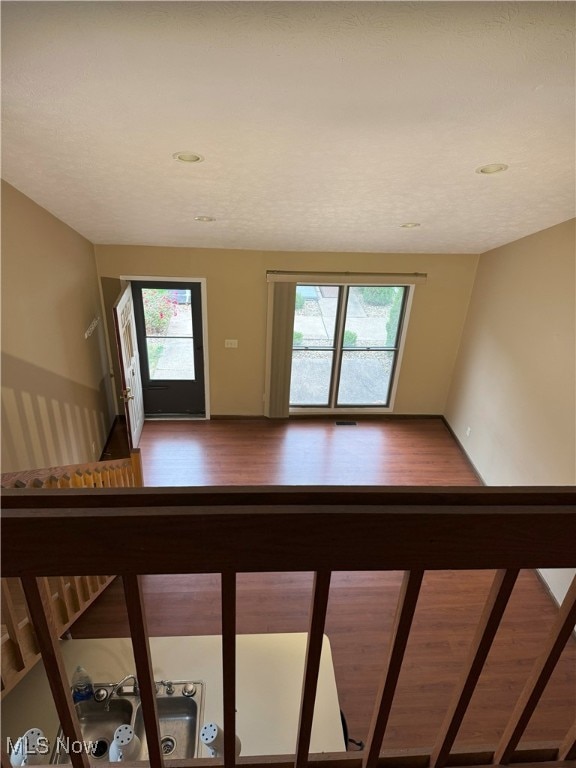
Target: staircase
{"type": "Point", "coordinates": [115, 473]}
{"type": "Point", "coordinates": [70, 596]}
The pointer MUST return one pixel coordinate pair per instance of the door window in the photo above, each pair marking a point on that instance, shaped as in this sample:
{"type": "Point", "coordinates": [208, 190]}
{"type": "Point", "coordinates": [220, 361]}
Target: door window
{"type": "Point", "coordinates": [169, 334]}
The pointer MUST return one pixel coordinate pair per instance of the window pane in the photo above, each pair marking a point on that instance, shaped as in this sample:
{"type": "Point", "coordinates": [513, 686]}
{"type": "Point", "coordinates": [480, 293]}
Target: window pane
{"type": "Point", "coordinates": [310, 381]}
{"type": "Point", "coordinates": [167, 312]}
{"type": "Point", "coordinates": [365, 378]}
{"type": "Point", "coordinates": [170, 358]}
{"type": "Point", "coordinates": [373, 315]}
{"type": "Point", "coordinates": [315, 315]}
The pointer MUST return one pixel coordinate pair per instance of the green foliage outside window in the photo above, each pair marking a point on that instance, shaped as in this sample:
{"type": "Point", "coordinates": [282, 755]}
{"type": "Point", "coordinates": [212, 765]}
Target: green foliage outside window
{"type": "Point", "coordinates": [379, 295]}
{"type": "Point", "coordinates": [394, 318]}
{"type": "Point", "coordinates": [350, 338]}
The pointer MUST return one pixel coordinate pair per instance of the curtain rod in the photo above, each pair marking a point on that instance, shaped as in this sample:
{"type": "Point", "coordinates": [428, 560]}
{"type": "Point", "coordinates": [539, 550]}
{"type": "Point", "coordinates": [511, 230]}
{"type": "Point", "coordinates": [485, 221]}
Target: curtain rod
{"type": "Point", "coordinates": [283, 276]}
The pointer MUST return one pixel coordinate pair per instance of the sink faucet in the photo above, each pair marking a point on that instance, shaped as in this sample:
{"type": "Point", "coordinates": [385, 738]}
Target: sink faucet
{"type": "Point", "coordinates": [117, 687]}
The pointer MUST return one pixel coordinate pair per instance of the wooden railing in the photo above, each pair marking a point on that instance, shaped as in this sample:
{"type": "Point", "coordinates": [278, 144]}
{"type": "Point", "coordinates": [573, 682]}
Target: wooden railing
{"type": "Point", "coordinates": [70, 595]}
{"type": "Point", "coordinates": [231, 531]}
{"type": "Point", "coordinates": [68, 598]}
{"type": "Point", "coordinates": [115, 473]}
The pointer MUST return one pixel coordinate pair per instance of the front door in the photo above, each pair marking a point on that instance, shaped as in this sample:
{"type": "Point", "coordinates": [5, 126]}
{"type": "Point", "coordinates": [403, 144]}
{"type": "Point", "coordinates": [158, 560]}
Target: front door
{"type": "Point", "coordinates": [169, 331]}
{"type": "Point", "coordinates": [124, 324]}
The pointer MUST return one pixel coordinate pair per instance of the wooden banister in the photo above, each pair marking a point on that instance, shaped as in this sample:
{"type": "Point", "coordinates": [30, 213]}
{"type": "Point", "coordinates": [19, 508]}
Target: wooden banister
{"type": "Point", "coordinates": [485, 632]}
{"type": "Point", "coordinates": [12, 626]}
{"type": "Point", "coordinates": [64, 607]}
{"type": "Point", "coordinates": [407, 600]}
{"type": "Point", "coordinates": [304, 531]}
{"type": "Point", "coordinates": [125, 473]}
{"type": "Point", "coordinates": [229, 665]}
{"type": "Point", "coordinates": [567, 749]}
{"type": "Point", "coordinates": [72, 594]}
{"type": "Point", "coordinates": [142, 658]}
{"type": "Point", "coordinates": [20, 651]}
{"type": "Point", "coordinates": [534, 688]}
{"type": "Point", "coordinates": [319, 607]}
{"type": "Point", "coordinates": [287, 529]}
{"type": "Point", "coordinates": [39, 602]}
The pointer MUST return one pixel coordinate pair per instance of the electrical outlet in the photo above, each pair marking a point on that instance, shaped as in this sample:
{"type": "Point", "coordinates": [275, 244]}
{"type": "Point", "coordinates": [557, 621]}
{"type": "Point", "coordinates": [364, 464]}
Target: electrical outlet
{"type": "Point", "coordinates": [468, 430]}
{"type": "Point", "coordinates": [231, 343]}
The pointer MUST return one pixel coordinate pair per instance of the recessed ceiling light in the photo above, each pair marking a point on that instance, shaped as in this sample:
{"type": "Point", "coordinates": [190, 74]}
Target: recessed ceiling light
{"type": "Point", "coordinates": [492, 168]}
{"type": "Point", "coordinates": [410, 225]}
{"type": "Point", "coordinates": [204, 218]}
{"type": "Point", "coordinates": [187, 157]}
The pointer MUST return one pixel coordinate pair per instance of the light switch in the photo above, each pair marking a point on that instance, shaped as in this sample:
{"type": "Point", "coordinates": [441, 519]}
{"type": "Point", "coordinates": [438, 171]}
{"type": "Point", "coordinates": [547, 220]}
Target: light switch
{"type": "Point", "coordinates": [231, 343]}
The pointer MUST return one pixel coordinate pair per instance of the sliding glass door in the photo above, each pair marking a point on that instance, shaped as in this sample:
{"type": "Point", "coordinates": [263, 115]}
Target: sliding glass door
{"type": "Point", "coordinates": [345, 347]}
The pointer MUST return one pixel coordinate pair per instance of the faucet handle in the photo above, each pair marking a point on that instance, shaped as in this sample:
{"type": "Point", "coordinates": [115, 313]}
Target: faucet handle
{"type": "Point", "coordinates": [168, 687]}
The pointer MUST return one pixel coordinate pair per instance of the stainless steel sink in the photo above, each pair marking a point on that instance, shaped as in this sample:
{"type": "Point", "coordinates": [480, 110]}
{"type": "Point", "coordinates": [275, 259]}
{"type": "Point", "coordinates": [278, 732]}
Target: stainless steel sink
{"type": "Point", "coordinates": [178, 722]}
{"type": "Point", "coordinates": [97, 724]}
{"type": "Point", "coordinates": [179, 716]}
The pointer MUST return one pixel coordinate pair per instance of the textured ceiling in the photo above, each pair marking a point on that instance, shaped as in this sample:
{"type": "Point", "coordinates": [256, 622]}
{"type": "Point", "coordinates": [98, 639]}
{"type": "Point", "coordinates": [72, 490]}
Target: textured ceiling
{"type": "Point", "coordinates": [324, 126]}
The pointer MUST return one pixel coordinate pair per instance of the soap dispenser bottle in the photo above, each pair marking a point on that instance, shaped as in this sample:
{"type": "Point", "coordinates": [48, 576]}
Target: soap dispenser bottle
{"type": "Point", "coordinates": [82, 688]}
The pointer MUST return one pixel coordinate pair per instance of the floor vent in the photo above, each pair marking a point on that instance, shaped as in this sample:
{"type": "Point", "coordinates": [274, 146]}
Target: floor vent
{"type": "Point", "coordinates": [346, 424]}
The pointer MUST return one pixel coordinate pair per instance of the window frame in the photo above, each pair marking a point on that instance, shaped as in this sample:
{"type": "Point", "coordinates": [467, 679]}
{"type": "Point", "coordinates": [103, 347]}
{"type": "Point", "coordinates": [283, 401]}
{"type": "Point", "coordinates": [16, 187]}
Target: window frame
{"type": "Point", "coordinates": [338, 349]}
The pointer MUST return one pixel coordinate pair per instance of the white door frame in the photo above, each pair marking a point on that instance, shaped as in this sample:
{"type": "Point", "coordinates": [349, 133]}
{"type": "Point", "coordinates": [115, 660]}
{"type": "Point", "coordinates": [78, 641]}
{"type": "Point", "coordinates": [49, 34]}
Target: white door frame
{"type": "Point", "coordinates": [203, 294]}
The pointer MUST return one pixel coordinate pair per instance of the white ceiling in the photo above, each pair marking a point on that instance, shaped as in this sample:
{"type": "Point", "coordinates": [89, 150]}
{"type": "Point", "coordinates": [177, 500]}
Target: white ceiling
{"type": "Point", "coordinates": [324, 126]}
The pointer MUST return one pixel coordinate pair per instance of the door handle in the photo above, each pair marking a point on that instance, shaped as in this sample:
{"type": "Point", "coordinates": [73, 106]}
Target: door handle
{"type": "Point", "coordinates": [126, 394]}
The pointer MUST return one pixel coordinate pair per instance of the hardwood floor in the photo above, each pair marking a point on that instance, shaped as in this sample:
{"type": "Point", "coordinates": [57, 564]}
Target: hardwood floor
{"type": "Point", "coordinates": [303, 452]}
{"type": "Point", "coordinates": [359, 622]}
{"type": "Point", "coordinates": [361, 609]}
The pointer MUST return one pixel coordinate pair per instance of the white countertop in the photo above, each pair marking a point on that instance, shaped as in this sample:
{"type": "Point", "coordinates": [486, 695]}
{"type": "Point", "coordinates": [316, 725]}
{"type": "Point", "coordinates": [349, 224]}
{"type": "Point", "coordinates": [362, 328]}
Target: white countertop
{"type": "Point", "coordinates": [269, 676]}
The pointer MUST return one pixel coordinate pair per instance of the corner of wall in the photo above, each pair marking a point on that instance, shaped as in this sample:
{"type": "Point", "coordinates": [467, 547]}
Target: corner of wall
{"type": "Point", "coordinates": [513, 388]}
{"type": "Point", "coordinates": [55, 377]}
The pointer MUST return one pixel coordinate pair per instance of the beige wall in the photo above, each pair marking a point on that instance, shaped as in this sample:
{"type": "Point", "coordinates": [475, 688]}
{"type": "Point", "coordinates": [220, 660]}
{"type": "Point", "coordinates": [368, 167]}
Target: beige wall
{"type": "Point", "coordinates": [54, 381]}
{"type": "Point", "coordinates": [514, 383]}
{"type": "Point", "coordinates": [237, 296]}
